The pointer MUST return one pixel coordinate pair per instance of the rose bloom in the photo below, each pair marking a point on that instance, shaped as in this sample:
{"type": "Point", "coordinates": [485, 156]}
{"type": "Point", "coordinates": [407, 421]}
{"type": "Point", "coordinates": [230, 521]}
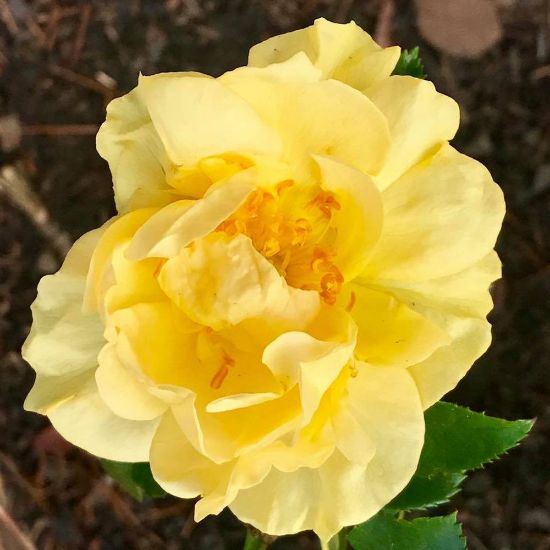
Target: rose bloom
{"type": "Point", "coordinates": [299, 268]}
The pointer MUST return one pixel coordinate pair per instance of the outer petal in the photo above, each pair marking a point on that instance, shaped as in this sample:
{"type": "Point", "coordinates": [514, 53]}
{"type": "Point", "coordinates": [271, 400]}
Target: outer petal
{"type": "Point", "coordinates": [326, 118]}
{"type": "Point", "coordinates": [123, 390]}
{"type": "Point", "coordinates": [63, 339]}
{"type": "Point", "coordinates": [441, 217]}
{"type": "Point", "coordinates": [199, 117]}
{"type": "Point", "coordinates": [128, 141]}
{"type": "Point", "coordinates": [179, 468]}
{"type": "Point", "coordinates": [343, 52]}
{"type": "Point", "coordinates": [465, 293]}
{"type": "Point", "coordinates": [420, 120]}
{"type": "Point", "coordinates": [339, 493]}
{"type": "Point", "coordinates": [457, 304]}
{"type": "Point", "coordinates": [390, 333]}
{"type": "Point", "coordinates": [441, 372]}
{"type": "Point", "coordinates": [85, 420]}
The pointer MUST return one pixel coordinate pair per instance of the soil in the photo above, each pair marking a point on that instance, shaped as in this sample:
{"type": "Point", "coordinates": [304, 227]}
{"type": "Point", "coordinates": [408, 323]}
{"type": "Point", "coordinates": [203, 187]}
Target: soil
{"type": "Point", "coordinates": [60, 62]}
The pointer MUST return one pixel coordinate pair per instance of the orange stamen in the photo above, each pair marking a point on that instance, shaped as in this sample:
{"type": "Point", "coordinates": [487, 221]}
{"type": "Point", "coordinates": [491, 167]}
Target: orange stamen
{"type": "Point", "coordinates": [351, 302]}
{"type": "Point", "coordinates": [283, 185]}
{"type": "Point", "coordinates": [219, 377]}
{"type": "Point", "coordinates": [221, 374]}
{"type": "Point", "coordinates": [326, 203]}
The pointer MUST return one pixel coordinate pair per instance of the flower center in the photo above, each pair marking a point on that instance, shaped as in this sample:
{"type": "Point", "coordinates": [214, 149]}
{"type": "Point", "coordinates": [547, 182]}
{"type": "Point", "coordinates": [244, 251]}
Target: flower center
{"type": "Point", "coordinates": [293, 228]}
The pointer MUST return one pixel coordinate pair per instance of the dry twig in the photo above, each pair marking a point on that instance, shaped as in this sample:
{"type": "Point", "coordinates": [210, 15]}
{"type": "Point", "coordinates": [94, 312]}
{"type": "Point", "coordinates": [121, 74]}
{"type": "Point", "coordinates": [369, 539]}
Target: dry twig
{"type": "Point", "coordinates": [383, 31]}
{"type": "Point", "coordinates": [16, 187]}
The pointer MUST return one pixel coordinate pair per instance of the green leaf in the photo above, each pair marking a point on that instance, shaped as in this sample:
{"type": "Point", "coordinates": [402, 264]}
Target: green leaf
{"type": "Point", "coordinates": [458, 439]}
{"type": "Point", "coordinates": [384, 531]}
{"type": "Point", "coordinates": [136, 479]}
{"type": "Point", "coordinates": [424, 491]}
{"type": "Point", "coordinates": [410, 64]}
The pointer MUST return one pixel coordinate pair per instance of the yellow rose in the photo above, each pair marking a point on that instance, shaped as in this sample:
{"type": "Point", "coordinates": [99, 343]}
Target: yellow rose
{"type": "Point", "coordinates": [300, 267]}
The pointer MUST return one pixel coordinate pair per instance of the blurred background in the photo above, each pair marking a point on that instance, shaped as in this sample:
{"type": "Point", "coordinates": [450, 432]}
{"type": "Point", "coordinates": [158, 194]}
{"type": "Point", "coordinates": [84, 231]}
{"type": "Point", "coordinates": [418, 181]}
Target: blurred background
{"type": "Point", "coordinates": [62, 61]}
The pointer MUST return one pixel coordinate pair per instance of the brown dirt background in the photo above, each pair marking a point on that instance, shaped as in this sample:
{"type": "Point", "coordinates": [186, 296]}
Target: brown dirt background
{"type": "Point", "coordinates": [57, 495]}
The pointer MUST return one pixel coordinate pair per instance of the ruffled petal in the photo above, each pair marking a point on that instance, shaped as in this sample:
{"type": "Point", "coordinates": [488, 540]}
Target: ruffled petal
{"type": "Point", "coordinates": [334, 120]}
{"type": "Point", "coordinates": [128, 141]}
{"type": "Point", "coordinates": [179, 468]}
{"type": "Point", "coordinates": [312, 364]}
{"type": "Point", "coordinates": [457, 305]}
{"type": "Point", "coordinates": [340, 493]}
{"type": "Point", "coordinates": [100, 275]}
{"type": "Point", "coordinates": [63, 339]}
{"type": "Point", "coordinates": [222, 281]}
{"type": "Point", "coordinates": [199, 117]}
{"type": "Point", "coordinates": [343, 52]}
{"type": "Point", "coordinates": [180, 223]}
{"type": "Point", "coordinates": [359, 217]}
{"type": "Point", "coordinates": [86, 421]}
{"type": "Point", "coordinates": [442, 371]}
{"type": "Point", "coordinates": [465, 293]}
{"type": "Point", "coordinates": [389, 332]}
{"type": "Point", "coordinates": [441, 217]}
{"type": "Point", "coordinates": [420, 120]}
{"type": "Point", "coordinates": [123, 390]}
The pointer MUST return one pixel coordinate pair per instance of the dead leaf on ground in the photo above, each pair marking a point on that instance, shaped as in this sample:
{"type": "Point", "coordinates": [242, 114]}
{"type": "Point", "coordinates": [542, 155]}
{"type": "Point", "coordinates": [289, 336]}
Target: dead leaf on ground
{"type": "Point", "coordinates": [465, 28]}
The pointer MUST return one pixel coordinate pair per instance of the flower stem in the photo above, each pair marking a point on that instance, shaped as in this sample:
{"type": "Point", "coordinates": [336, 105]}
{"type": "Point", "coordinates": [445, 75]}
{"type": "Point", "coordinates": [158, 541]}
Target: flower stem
{"type": "Point", "coordinates": [254, 541]}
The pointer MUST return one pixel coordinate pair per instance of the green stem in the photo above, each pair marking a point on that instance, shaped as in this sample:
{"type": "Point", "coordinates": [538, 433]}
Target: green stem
{"type": "Point", "coordinates": [339, 541]}
{"type": "Point", "coordinates": [254, 541]}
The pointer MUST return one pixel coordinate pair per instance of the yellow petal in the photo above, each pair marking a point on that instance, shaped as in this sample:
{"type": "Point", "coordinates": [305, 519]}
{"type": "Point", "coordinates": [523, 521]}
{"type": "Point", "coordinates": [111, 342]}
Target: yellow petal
{"type": "Point", "coordinates": [340, 493]}
{"type": "Point", "coordinates": [240, 401]}
{"type": "Point", "coordinates": [465, 293]}
{"type": "Point", "coordinates": [420, 120]}
{"type": "Point", "coordinates": [359, 219]}
{"type": "Point", "coordinates": [344, 52]}
{"type": "Point", "coordinates": [85, 420]}
{"type": "Point", "coordinates": [134, 281]}
{"type": "Point", "coordinates": [180, 223]}
{"type": "Point", "coordinates": [63, 339]}
{"type": "Point", "coordinates": [222, 436]}
{"type": "Point", "coordinates": [100, 276]}
{"type": "Point", "coordinates": [149, 342]}
{"type": "Point", "coordinates": [298, 358]}
{"type": "Point", "coordinates": [390, 333]}
{"type": "Point", "coordinates": [221, 281]}
{"type": "Point", "coordinates": [326, 118]}
{"type": "Point", "coordinates": [442, 371]}
{"type": "Point", "coordinates": [128, 141]}
{"type": "Point", "coordinates": [178, 467]}
{"type": "Point", "coordinates": [49, 391]}
{"type": "Point", "coordinates": [441, 217]}
{"type": "Point", "coordinates": [123, 390]}
{"type": "Point", "coordinates": [199, 117]}
{"type": "Point", "coordinates": [457, 304]}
